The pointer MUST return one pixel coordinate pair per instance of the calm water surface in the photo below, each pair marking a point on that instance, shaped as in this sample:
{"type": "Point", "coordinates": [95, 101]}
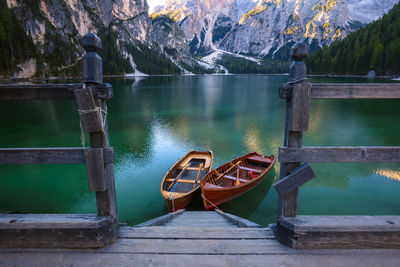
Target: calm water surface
{"type": "Point", "coordinates": [156, 120]}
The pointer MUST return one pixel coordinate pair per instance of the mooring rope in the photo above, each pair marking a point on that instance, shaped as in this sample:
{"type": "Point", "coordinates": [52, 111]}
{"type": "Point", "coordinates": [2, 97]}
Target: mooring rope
{"type": "Point", "coordinates": [96, 109]}
{"type": "Point", "coordinates": [216, 208]}
{"type": "Point", "coordinates": [173, 203]}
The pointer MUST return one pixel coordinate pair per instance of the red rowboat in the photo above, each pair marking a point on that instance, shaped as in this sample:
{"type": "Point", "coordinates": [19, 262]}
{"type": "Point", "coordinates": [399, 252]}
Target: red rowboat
{"type": "Point", "coordinates": [234, 178]}
{"type": "Point", "coordinates": [181, 183]}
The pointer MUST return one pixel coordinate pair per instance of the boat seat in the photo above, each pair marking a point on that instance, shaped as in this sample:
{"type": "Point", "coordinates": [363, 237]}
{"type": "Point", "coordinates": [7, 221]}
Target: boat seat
{"type": "Point", "coordinates": [260, 159]}
{"type": "Point", "coordinates": [250, 169]}
{"type": "Point", "coordinates": [180, 180]}
{"type": "Point", "coordinates": [212, 186]}
{"type": "Point", "coordinates": [234, 178]}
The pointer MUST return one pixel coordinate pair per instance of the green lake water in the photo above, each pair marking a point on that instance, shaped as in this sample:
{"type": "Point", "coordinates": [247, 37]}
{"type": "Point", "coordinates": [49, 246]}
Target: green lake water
{"type": "Point", "coordinates": [154, 121]}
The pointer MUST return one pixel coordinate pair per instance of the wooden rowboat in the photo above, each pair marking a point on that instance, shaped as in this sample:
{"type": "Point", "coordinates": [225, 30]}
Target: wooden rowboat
{"type": "Point", "coordinates": [234, 178]}
{"type": "Point", "coordinates": [182, 181]}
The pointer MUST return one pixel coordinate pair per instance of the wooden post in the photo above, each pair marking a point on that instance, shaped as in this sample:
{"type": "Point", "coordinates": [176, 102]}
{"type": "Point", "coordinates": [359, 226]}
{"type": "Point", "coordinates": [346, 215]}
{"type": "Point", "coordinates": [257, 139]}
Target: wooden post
{"type": "Point", "coordinates": [92, 76]}
{"type": "Point", "coordinates": [297, 110]}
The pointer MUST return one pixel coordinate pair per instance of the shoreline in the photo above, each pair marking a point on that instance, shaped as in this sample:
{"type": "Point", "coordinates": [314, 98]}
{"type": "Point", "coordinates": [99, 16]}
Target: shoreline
{"type": "Point", "coordinates": [72, 78]}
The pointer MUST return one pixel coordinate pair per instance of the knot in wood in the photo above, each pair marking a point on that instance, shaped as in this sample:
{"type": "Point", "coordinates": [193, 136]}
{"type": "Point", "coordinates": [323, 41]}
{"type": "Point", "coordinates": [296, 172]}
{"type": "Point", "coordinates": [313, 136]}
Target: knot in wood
{"type": "Point", "coordinates": [91, 42]}
{"type": "Point", "coordinates": [299, 51]}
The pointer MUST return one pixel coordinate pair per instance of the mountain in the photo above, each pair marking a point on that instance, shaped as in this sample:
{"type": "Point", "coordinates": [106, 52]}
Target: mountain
{"type": "Point", "coordinates": [265, 28]}
{"type": "Point", "coordinates": [42, 37]}
{"type": "Point", "coordinates": [375, 47]}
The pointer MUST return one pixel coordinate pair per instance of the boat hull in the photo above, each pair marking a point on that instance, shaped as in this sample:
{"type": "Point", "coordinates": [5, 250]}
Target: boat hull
{"type": "Point", "coordinates": [212, 197]}
{"type": "Point", "coordinates": [181, 202]}
{"type": "Point", "coordinates": [220, 196]}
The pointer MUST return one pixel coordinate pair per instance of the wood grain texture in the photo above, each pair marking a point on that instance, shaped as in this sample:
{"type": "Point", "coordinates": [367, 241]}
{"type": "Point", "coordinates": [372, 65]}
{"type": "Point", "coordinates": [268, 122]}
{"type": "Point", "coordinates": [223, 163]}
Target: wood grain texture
{"type": "Point", "coordinates": [339, 154]}
{"type": "Point", "coordinates": [344, 232]}
{"type": "Point", "coordinates": [55, 230]}
{"type": "Point", "coordinates": [95, 169]}
{"type": "Point", "coordinates": [62, 155]}
{"type": "Point", "coordinates": [276, 257]}
{"type": "Point", "coordinates": [300, 111]}
{"type": "Point", "coordinates": [295, 179]}
{"type": "Point", "coordinates": [49, 91]}
{"type": "Point", "coordinates": [287, 204]}
{"type": "Point", "coordinates": [91, 116]}
{"type": "Point", "coordinates": [106, 201]}
{"type": "Point", "coordinates": [161, 220]}
{"type": "Point", "coordinates": [349, 91]}
{"type": "Point", "coordinates": [195, 233]}
{"type": "Point", "coordinates": [236, 220]}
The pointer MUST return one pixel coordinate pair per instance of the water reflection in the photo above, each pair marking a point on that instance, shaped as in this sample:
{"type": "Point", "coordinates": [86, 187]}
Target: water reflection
{"type": "Point", "coordinates": [232, 116]}
{"type": "Point", "coordinates": [390, 174]}
{"type": "Point", "coordinates": [156, 120]}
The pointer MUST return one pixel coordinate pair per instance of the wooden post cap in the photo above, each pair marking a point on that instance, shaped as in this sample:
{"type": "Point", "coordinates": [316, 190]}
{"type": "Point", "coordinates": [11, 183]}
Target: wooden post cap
{"type": "Point", "coordinates": [92, 63]}
{"type": "Point", "coordinates": [91, 42]}
{"type": "Point", "coordinates": [298, 69]}
{"type": "Point", "coordinates": [299, 51]}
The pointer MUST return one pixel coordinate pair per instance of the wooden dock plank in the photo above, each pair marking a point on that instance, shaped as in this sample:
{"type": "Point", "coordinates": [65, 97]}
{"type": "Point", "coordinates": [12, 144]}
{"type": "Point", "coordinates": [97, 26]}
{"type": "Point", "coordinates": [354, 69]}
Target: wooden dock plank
{"type": "Point", "coordinates": [195, 233]}
{"type": "Point", "coordinates": [126, 259]}
{"type": "Point", "coordinates": [196, 246]}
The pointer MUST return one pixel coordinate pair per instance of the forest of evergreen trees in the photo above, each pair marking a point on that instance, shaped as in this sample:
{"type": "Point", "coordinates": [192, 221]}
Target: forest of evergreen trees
{"type": "Point", "coordinates": [15, 45]}
{"type": "Point", "coordinates": [375, 47]}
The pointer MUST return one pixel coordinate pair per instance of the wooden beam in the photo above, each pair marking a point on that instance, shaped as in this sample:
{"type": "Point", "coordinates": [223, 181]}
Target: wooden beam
{"type": "Point", "coordinates": [62, 155]}
{"type": "Point", "coordinates": [295, 179]}
{"type": "Point", "coordinates": [339, 154]}
{"type": "Point", "coordinates": [359, 91]}
{"type": "Point", "coordinates": [340, 232]}
{"type": "Point", "coordinates": [90, 114]}
{"type": "Point", "coordinates": [95, 169]}
{"type": "Point", "coordinates": [300, 107]}
{"type": "Point", "coordinates": [56, 231]}
{"type": "Point", "coordinates": [50, 91]}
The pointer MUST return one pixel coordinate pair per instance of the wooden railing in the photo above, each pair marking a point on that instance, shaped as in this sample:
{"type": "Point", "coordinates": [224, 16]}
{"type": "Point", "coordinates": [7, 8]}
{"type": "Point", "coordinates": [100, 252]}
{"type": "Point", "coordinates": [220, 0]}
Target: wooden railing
{"type": "Point", "coordinates": [91, 96]}
{"type": "Point", "coordinates": [298, 93]}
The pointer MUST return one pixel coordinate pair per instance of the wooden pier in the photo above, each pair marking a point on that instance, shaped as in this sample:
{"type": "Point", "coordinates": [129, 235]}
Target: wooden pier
{"type": "Point", "coordinates": [197, 237]}
{"type": "Point", "coordinates": [69, 230]}
{"type": "Point", "coordinates": [308, 232]}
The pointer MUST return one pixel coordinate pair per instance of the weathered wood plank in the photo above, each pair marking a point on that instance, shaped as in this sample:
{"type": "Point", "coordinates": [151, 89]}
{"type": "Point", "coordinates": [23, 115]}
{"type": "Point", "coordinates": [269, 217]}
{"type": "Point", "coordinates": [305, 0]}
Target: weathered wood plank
{"type": "Point", "coordinates": [294, 180]}
{"type": "Point", "coordinates": [160, 220]}
{"type": "Point", "coordinates": [55, 230]}
{"type": "Point", "coordinates": [273, 258]}
{"type": "Point", "coordinates": [62, 155]}
{"type": "Point", "coordinates": [95, 169]}
{"type": "Point", "coordinates": [240, 222]}
{"type": "Point", "coordinates": [90, 114]}
{"type": "Point", "coordinates": [300, 107]}
{"type": "Point", "coordinates": [344, 232]}
{"type": "Point", "coordinates": [287, 204]}
{"type": "Point", "coordinates": [342, 223]}
{"type": "Point", "coordinates": [194, 246]}
{"type": "Point", "coordinates": [339, 154]}
{"type": "Point", "coordinates": [353, 91]}
{"type": "Point", "coordinates": [106, 201]}
{"type": "Point", "coordinates": [49, 91]}
{"type": "Point", "coordinates": [195, 233]}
